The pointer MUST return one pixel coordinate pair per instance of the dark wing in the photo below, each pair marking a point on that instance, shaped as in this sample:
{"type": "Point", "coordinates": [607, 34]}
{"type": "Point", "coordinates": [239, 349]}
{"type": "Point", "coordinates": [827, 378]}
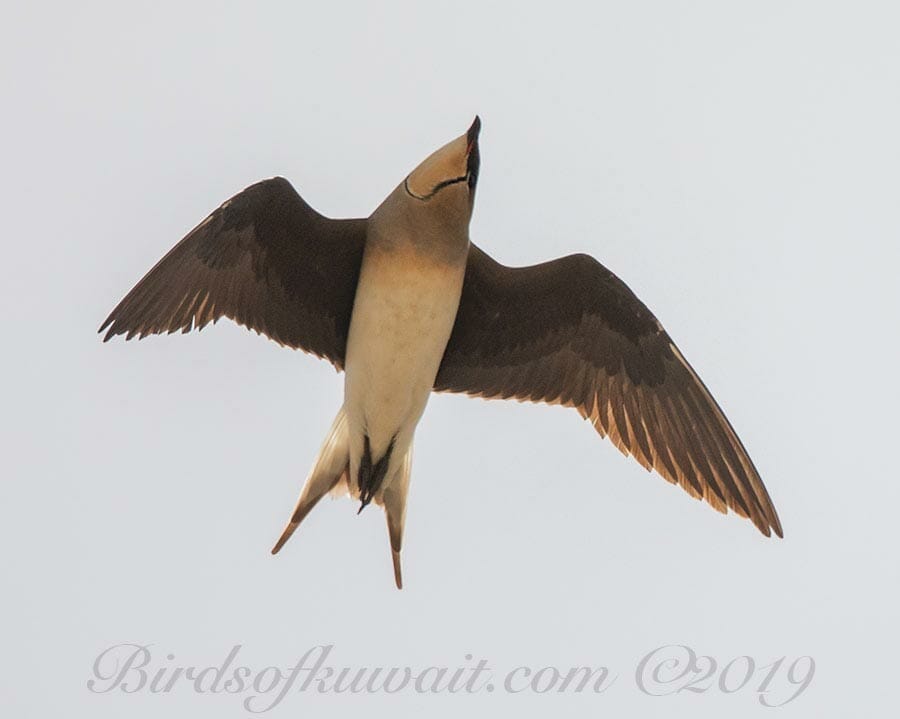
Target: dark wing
{"type": "Point", "coordinates": [266, 260]}
{"type": "Point", "coordinates": [570, 332]}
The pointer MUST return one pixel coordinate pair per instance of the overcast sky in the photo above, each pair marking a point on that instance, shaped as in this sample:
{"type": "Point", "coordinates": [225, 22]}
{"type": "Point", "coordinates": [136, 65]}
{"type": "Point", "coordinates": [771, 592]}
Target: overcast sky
{"type": "Point", "coordinates": [735, 163]}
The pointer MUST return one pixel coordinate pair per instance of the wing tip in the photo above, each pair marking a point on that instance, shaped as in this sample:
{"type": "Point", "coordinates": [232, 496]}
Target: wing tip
{"type": "Point", "coordinates": [776, 527]}
{"type": "Point", "coordinates": [767, 523]}
{"type": "Point", "coordinates": [108, 327]}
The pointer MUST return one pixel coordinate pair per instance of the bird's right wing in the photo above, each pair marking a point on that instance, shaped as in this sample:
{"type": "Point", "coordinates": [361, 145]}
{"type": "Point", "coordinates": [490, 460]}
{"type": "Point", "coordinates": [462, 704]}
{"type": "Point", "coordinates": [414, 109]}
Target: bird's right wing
{"type": "Point", "coordinates": [570, 332]}
{"type": "Point", "coordinates": [264, 259]}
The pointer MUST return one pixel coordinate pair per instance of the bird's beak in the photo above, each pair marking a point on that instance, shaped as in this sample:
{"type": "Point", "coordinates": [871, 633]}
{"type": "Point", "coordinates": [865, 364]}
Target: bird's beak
{"type": "Point", "coordinates": [473, 156]}
{"type": "Point", "coordinates": [472, 135]}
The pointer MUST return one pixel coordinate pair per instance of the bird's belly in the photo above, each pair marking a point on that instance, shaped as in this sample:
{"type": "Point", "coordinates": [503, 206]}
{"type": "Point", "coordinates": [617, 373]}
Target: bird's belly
{"type": "Point", "coordinates": [402, 319]}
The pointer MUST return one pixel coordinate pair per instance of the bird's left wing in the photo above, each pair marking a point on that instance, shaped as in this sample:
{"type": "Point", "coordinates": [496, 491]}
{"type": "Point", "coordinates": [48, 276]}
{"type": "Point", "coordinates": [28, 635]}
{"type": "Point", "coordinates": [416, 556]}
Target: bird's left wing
{"type": "Point", "coordinates": [570, 332]}
{"type": "Point", "coordinates": [266, 260]}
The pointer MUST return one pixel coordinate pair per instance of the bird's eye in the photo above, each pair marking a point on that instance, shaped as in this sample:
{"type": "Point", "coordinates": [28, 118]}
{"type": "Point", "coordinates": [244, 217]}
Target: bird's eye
{"type": "Point", "coordinates": [472, 179]}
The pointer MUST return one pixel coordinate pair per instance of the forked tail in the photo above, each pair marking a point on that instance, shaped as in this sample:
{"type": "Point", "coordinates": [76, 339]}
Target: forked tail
{"type": "Point", "coordinates": [332, 466]}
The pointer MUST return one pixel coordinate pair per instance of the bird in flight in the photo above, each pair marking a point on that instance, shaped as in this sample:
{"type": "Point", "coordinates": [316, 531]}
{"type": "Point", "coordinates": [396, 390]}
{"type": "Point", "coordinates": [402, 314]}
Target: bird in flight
{"type": "Point", "coordinates": [406, 305]}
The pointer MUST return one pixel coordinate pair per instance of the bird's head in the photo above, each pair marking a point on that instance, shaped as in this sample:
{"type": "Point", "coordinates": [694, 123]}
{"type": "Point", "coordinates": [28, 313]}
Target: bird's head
{"type": "Point", "coordinates": [446, 179]}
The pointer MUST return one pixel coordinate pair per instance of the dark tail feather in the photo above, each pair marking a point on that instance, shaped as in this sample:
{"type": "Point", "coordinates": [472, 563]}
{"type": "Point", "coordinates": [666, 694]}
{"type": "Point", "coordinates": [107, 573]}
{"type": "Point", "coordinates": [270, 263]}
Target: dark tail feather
{"type": "Point", "coordinates": [371, 475]}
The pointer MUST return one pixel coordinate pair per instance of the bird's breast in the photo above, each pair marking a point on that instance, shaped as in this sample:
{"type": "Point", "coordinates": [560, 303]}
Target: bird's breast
{"type": "Point", "coordinates": [403, 314]}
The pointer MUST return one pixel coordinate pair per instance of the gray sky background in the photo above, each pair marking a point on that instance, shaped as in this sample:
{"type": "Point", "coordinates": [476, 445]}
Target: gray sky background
{"type": "Point", "coordinates": [735, 163]}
